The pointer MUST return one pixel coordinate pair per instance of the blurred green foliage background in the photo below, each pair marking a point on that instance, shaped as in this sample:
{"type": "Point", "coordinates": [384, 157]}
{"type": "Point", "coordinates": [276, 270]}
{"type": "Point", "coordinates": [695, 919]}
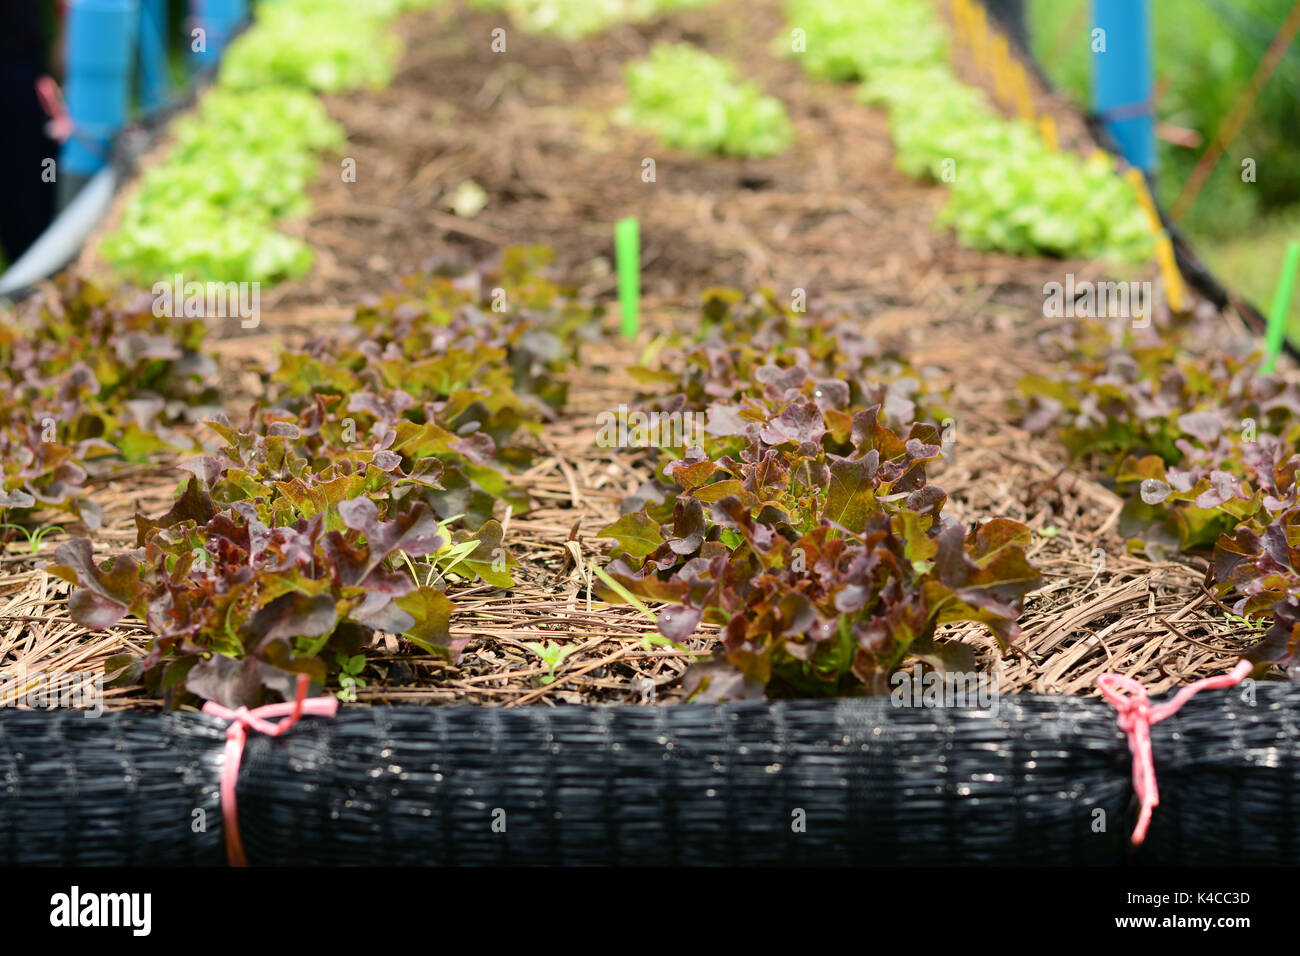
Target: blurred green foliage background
{"type": "Point", "coordinates": [1205, 54]}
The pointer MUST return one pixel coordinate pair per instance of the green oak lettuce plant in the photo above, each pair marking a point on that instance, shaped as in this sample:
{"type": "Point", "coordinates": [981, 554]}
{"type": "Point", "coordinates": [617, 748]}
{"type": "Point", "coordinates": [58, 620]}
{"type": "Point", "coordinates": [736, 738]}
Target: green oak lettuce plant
{"type": "Point", "coordinates": [847, 40]}
{"type": "Point", "coordinates": [693, 101]}
{"type": "Point", "coordinates": [574, 19]}
{"type": "Point", "coordinates": [1036, 201]}
{"type": "Point", "coordinates": [241, 164]}
{"type": "Point", "coordinates": [328, 47]}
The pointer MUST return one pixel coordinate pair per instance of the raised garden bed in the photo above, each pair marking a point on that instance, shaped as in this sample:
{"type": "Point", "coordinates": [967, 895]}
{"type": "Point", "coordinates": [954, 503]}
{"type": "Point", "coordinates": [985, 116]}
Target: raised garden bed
{"type": "Point", "coordinates": [405, 489]}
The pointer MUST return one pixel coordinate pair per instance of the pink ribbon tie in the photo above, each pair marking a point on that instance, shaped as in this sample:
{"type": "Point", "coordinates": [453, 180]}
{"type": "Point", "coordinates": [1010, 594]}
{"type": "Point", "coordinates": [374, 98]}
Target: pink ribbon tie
{"type": "Point", "coordinates": [241, 722]}
{"type": "Point", "coordinates": [60, 126]}
{"type": "Point", "coordinates": [1137, 714]}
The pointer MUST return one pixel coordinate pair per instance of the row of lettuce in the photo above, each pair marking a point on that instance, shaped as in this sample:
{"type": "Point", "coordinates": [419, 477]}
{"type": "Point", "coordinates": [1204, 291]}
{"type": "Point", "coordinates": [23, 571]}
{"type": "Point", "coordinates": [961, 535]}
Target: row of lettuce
{"type": "Point", "coordinates": [240, 167]}
{"type": "Point", "coordinates": [1202, 446]}
{"type": "Point", "coordinates": [1010, 191]}
{"type": "Point", "coordinates": [372, 472]}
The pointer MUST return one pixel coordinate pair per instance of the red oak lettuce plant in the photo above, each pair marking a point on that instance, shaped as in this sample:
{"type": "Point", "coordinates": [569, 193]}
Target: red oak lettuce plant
{"type": "Point", "coordinates": [301, 535]}
{"type": "Point", "coordinates": [88, 380]}
{"type": "Point", "coordinates": [237, 607]}
{"type": "Point", "coordinates": [1190, 440]}
{"type": "Point", "coordinates": [823, 553]}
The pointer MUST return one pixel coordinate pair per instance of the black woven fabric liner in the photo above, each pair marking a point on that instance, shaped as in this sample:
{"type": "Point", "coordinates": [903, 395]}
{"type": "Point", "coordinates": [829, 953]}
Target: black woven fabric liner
{"type": "Point", "coordinates": [681, 784]}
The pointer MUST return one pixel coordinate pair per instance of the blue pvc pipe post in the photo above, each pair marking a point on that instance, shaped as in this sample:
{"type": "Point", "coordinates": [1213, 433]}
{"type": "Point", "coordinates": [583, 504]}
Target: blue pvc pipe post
{"type": "Point", "coordinates": [219, 19]}
{"type": "Point", "coordinates": [152, 84]}
{"type": "Point", "coordinates": [101, 38]}
{"type": "Point", "coordinates": [1122, 89]}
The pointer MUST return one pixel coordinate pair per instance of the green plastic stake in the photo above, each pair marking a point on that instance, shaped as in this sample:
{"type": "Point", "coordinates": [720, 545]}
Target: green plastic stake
{"type": "Point", "coordinates": [1277, 316]}
{"type": "Point", "coordinates": [627, 248]}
